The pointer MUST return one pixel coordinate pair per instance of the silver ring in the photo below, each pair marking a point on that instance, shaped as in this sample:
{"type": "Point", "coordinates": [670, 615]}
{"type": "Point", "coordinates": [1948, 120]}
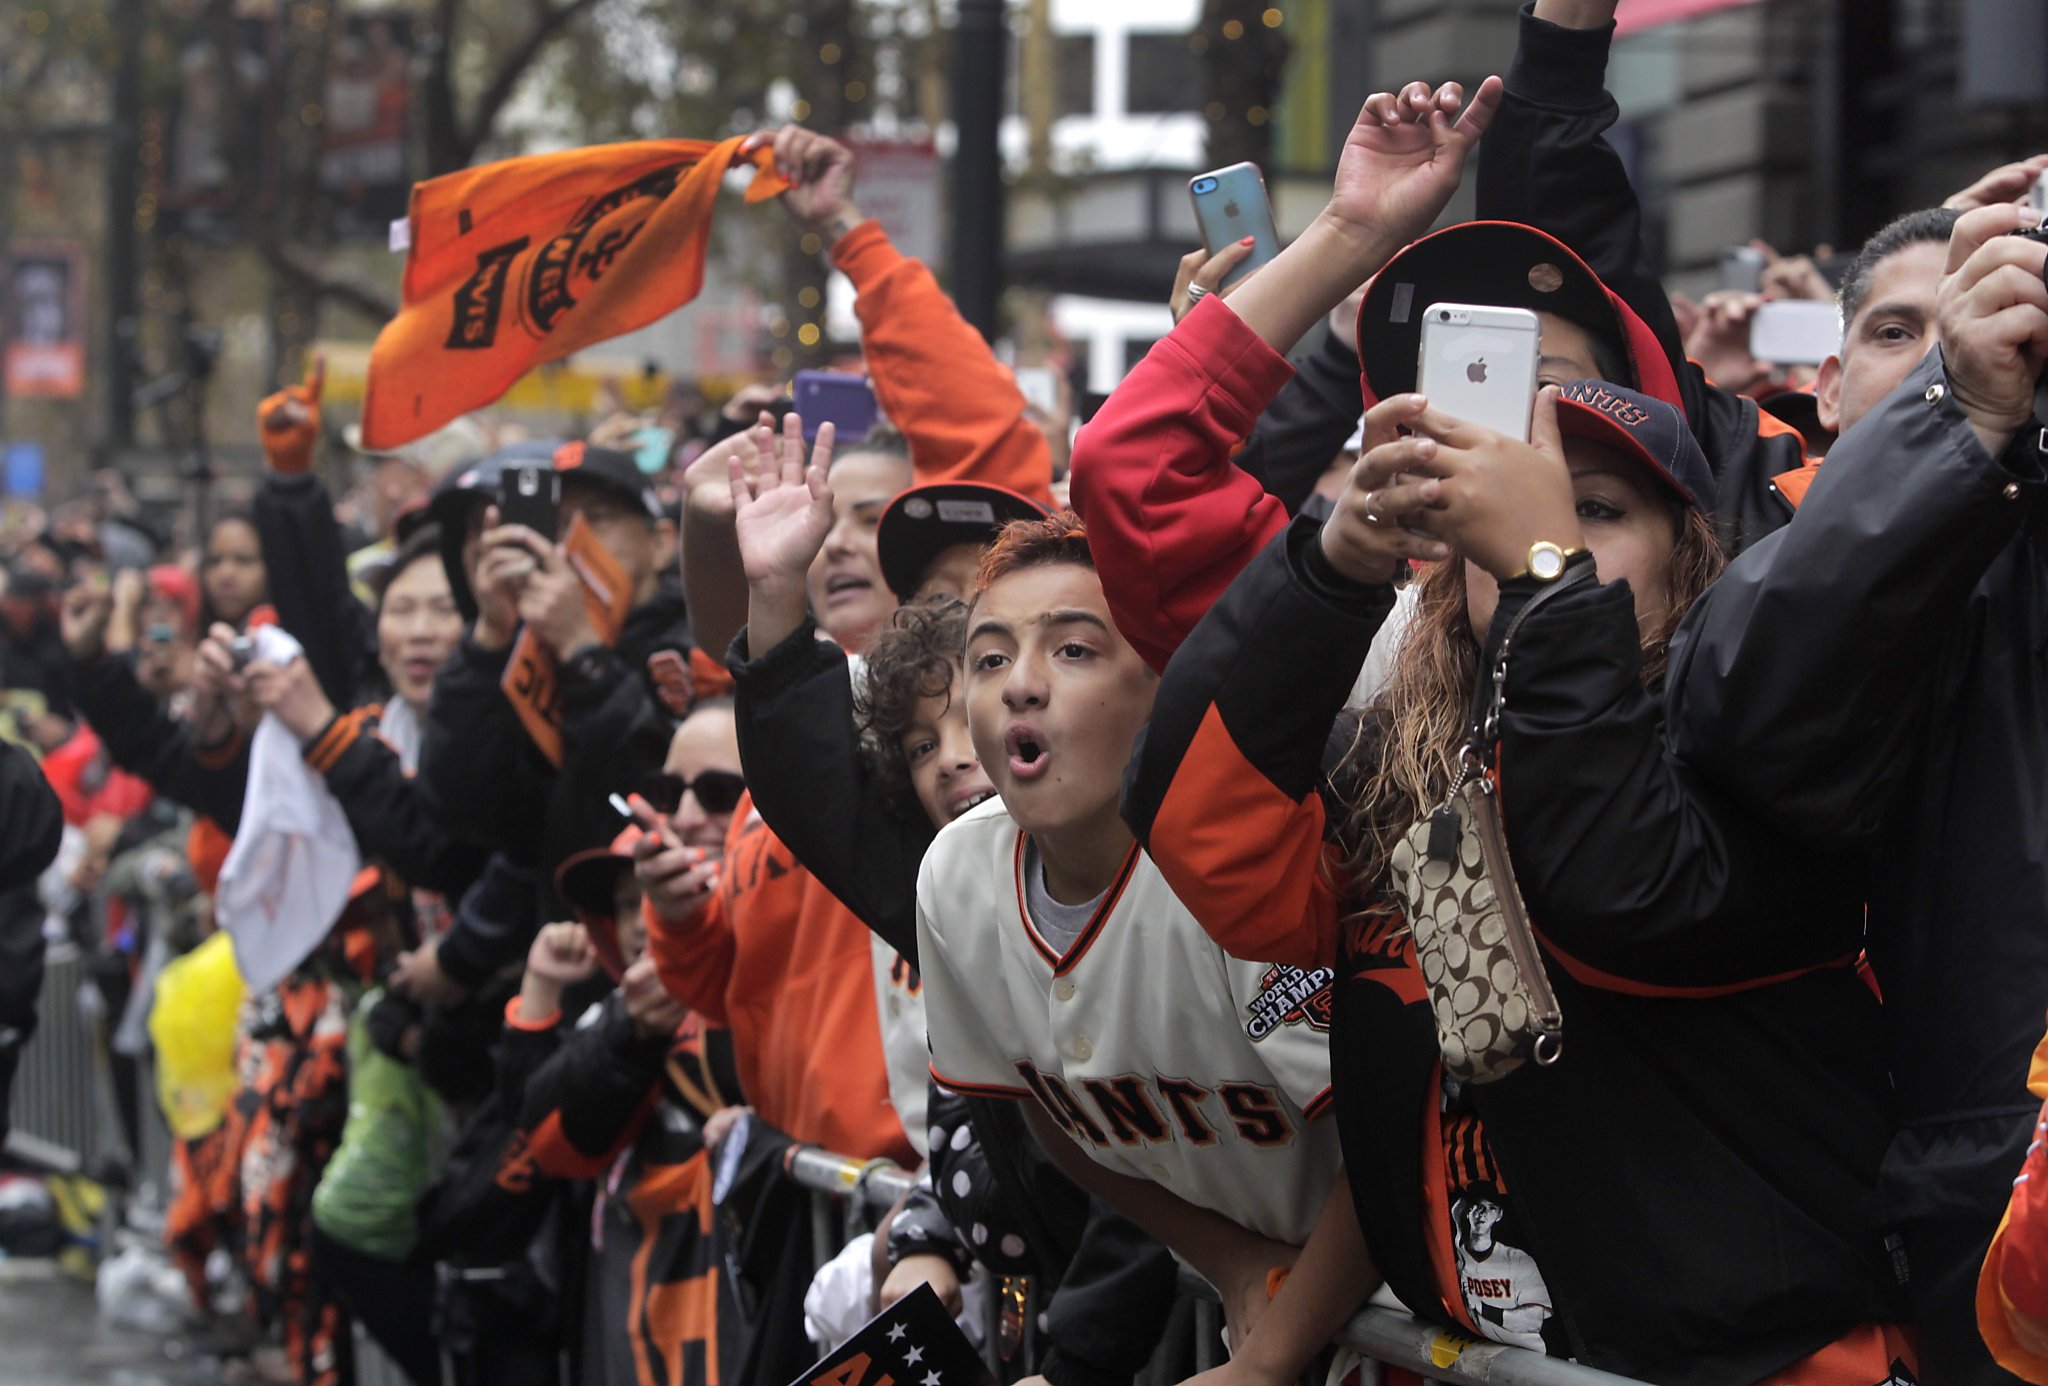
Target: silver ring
{"type": "Point", "coordinates": [1196, 293]}
{"type": "Point", "coordinates": [1371, 508]}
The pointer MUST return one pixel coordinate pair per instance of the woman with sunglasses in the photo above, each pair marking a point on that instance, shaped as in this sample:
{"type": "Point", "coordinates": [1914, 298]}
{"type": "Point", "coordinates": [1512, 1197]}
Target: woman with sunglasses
{"type": "Point", "coordinates": [700, 783]}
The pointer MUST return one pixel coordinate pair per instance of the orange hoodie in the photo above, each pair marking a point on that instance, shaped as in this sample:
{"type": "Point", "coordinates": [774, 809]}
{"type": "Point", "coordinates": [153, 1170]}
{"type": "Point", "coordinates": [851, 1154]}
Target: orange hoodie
{"type": "Point", "coordinates": [2012, 1291]}
{"type": "Point", "coordinates": [934, 375]}
{"type": "Point", "coordinates": [786, 967]}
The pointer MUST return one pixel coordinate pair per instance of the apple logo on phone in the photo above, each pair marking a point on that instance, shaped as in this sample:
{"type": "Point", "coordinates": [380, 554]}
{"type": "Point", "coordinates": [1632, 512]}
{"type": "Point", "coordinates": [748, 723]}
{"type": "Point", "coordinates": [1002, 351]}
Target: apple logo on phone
{"type": "Point", "coordinates": [1230, 208]}
{"type": "Point", "coordinates": [1476, 372]}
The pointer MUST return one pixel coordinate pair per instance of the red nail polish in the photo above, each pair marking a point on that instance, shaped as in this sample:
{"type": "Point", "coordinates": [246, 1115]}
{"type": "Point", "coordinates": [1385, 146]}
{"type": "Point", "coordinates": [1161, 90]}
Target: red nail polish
{"type": "Point", "coordinates": [1247, 240]}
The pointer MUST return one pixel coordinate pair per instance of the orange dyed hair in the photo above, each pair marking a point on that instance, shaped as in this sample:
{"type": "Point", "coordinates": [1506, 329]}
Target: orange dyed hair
{"type": "Point", "coordinates": [1058, 538]}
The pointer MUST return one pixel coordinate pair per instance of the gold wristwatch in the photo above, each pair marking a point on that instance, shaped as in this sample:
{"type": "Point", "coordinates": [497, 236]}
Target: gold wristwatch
{"type": "Point", "coordinates": [1547, 560]}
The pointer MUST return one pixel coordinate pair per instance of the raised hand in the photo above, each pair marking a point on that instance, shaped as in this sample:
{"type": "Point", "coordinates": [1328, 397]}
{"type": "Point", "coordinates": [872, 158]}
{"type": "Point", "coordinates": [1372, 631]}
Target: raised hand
{"type": "Point", "coordinates": [820, 171]}
{"type": "Point", "coordinates": [1496, 495]}
{"type": "Point", "coordinates": [1406, 154]}
{"type": "Point", "coordinates": [1201, 270]}
{"type": "Point", "coordinates": [782, 511]}
{"type": "Point", "coordinates": [562, 954]}
{"type": "Point", "coordinates": [707, 482]}
{"type": "Point", "coordinates": [82, 620]}
{"type": "Point", "coordinates": [289, 421]}
{"type": "Point", "coordinates": [293, 694]}
{"type": "Point", "coordinates": [2006, 183]}
{"type": "Point", "coordinates": [1992, 308]}
{"type": "Point", "coordinates": [1381, 519]}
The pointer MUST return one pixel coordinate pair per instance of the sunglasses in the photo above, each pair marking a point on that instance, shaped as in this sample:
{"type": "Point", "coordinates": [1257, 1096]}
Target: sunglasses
{"type": "Point", "coordinates": [718, 791]}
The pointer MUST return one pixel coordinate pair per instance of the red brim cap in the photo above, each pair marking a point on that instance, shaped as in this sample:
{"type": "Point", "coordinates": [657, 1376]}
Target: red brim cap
{"type": "Point", "coordinates": [1502, 263]}
{"type": "Point", "coordinates": [588, 879]}
{"type": "Point", "coordinates": [925, 521]}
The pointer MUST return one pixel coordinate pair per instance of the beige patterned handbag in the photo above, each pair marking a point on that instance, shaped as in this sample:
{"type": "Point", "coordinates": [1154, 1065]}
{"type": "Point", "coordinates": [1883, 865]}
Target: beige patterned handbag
{"type": "Point", "coordinates": [1488, 993]}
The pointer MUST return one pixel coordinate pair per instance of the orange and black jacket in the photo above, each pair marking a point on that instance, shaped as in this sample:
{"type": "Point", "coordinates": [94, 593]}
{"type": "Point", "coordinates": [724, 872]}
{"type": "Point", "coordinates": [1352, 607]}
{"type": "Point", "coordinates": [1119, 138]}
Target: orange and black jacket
{"type": "Point", "coordinates": [1698, 1169]}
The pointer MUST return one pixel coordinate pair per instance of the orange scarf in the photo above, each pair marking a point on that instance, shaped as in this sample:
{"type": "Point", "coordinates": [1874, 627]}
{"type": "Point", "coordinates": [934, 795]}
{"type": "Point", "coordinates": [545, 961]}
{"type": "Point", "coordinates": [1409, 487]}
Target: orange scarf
{"type": "Point", "coordinates": [522, 262]}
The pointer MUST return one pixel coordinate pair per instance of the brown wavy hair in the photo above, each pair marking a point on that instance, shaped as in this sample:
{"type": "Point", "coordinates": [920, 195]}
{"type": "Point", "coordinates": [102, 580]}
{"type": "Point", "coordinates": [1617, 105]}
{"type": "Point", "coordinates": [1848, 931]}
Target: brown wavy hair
{"type": "Point", "coordinates": [914, 658]}
{"type": "Point", "coordinates": [1405, 755]}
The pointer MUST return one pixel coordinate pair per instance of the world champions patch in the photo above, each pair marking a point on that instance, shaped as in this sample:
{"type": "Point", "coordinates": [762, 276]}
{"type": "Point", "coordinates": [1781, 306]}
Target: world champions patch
{"type": "Point", "coordinates": [1290, 996]}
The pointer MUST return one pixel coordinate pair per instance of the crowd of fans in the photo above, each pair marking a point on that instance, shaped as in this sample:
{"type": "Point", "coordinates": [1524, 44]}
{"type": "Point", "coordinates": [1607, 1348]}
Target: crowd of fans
{"type": "Point", "coordinates": [856, 792]}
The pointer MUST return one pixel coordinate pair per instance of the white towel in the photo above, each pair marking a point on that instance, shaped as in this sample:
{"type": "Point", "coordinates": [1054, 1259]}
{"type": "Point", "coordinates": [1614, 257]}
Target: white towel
{"type": "Point", "coordinates": [288, 874]}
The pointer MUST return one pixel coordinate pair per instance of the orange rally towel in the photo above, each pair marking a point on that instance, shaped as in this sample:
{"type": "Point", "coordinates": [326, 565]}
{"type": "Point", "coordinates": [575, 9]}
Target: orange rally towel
{"type": "Point", "coordinates": [522, 262]}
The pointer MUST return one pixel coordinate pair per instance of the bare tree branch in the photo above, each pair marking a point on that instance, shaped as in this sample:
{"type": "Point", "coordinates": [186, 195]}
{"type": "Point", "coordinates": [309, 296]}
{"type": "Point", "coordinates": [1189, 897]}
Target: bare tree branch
{"type": "Point", "coordinates": [548, 20]}
{"type": "Point", "coordinates": [361, 298]}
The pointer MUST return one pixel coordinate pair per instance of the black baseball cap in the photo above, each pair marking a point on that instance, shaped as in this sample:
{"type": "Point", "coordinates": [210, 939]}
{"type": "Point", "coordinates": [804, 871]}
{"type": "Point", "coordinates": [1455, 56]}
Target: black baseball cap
{"type": "Point", "coordinates": [1502, 263]}
{"type": "Point", "coordinates": [1634, 424]}
{"type": "Point", "coordinates": [610, 468]}
{"type": "Point", "coordinates": [925, 521]}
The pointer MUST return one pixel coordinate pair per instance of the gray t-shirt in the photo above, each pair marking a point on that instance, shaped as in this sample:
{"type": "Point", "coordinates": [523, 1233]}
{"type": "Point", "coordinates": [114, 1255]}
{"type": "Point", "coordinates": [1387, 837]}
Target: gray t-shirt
{"type": "Point", "coordinates": [1059, 925]}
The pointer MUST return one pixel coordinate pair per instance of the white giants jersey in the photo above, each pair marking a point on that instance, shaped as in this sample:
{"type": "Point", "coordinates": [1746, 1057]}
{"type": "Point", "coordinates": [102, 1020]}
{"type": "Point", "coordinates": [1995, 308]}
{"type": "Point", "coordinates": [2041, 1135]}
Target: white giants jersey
{"type": "Point", "coordinates": [899, 1005]}
{"type": "Point", "coordinates": [1161, 1056]}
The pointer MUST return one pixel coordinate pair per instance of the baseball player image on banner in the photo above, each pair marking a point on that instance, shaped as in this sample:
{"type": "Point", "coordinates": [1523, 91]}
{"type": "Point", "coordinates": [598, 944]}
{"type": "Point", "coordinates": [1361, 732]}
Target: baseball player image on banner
{"type": "Point", "coordinates": [518, 263]}
{"type": "Point", "coordinates": [1163, 1058]}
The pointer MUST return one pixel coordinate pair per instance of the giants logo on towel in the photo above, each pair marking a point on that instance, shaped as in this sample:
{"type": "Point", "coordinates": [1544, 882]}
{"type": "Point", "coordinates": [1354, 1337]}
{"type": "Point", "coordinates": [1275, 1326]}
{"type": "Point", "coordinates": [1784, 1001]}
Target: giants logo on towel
{"type": "Point", "coordinates": [609, 224]}
{"type": "Point", "coordinates": [481, 298]}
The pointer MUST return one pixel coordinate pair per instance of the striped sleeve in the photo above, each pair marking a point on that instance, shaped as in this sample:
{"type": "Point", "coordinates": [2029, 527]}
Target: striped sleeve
{"type": "Point", "coordinates": [1223, 790]}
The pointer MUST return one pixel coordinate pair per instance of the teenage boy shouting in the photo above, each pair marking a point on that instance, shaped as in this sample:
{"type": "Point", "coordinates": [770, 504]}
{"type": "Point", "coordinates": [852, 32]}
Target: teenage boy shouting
{"type": "Point", "coordinates": [1179, 1085]}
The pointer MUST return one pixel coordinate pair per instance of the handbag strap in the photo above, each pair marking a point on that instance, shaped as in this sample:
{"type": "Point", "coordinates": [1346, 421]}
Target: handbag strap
{"type": "Point", "coordinates": [1489, 692]}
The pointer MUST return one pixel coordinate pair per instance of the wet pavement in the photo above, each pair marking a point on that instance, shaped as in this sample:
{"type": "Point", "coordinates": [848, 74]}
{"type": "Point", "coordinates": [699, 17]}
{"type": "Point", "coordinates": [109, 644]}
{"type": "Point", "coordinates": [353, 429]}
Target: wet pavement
{"type": "Point", "coordinates": [51, 1335]}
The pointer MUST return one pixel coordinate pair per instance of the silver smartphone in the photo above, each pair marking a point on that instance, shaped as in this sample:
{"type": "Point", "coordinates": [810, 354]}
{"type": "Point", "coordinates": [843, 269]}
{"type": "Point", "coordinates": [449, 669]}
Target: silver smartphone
{"type": "Point", "coordinates": [1230, 204]}
{"type": "Point", "coordinates": [1478, 363]}
{"type": "Point", "coordinates": [1795, 332]}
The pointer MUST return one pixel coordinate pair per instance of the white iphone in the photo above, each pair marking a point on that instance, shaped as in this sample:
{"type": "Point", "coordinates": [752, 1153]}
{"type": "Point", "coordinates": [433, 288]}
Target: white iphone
{"type": "Point", "coordinates": [1478, 364]}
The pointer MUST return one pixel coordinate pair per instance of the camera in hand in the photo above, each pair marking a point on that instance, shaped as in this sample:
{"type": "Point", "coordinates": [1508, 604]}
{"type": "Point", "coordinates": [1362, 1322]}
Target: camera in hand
{"type": "Point", "coordinates": [241, 650]}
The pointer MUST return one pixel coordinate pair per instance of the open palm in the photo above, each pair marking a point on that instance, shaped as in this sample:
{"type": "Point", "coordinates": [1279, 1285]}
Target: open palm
{"type": "Point", "coordinates": [782, 511]}
{"type": "Point", "coordinates": [1405, 155]}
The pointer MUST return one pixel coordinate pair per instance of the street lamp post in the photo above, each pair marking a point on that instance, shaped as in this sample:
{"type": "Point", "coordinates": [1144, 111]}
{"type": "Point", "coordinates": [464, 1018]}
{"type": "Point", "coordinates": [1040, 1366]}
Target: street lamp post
{"type": "Point", "coordinates": [980, 68]}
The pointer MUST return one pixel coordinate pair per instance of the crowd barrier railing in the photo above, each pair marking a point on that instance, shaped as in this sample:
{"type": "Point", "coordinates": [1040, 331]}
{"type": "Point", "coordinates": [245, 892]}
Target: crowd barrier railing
{"type": "Point", "coordinates": [1386, 1337]}
{"type": "Point", "coordinates": [63, 1116]}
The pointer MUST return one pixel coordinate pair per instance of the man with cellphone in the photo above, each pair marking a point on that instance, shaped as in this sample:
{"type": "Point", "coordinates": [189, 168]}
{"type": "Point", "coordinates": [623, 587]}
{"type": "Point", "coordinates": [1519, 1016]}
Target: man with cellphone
{"type": "Point", "coordinates": [615, 705]}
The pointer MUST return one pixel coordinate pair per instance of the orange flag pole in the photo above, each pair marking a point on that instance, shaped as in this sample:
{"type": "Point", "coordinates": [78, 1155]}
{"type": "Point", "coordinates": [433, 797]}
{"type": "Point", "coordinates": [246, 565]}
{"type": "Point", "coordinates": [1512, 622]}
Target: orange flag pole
{"type": "Point", "coordinates": [519, 263]}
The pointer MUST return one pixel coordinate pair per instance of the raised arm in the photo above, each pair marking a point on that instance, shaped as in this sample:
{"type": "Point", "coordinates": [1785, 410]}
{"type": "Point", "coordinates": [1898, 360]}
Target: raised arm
{"type": "Point", "coordinates": [142, 738]}
{"type": "Point", "coordinates": [1170, 519]}
{"type": "Point", "coordinates": [1799, 679]}
{"type": "Point", "coordinates": [933, 374]}
{"type": "Point", "coordinates": [1550, 165]}
{"type": "Point", "coordinates": [303, 555]}
{"type": "Point", "coordinates": [793, 698]}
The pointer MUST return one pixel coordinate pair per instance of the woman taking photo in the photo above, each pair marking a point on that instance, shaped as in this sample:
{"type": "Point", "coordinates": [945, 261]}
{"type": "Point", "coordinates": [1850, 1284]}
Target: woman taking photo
{"type": "Point", "coordinates": [1683, 1194]}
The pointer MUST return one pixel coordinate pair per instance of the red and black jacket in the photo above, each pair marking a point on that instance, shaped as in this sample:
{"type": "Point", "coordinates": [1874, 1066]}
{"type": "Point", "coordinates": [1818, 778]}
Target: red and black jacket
{"type": "Point", "coordinates": [1698, 1171]}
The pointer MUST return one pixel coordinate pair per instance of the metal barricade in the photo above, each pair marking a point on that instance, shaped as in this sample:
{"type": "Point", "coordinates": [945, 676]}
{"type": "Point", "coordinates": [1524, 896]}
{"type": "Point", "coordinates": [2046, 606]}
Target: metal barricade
{"type": "Point", "coordinates": [63, 1107]}
{"type": "Point", "coordinates": [1386, 1337]}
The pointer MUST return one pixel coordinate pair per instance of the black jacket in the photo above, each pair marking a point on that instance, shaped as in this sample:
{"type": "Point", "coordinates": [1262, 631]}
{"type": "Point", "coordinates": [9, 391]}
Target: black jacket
{"type": "Point", "coordinates": [810, 783]}
{"type": "Point", "coordinates": [305, 563]}
{"type": "Point", "coordinates": [33, 824]}
{"type": "Point", "coordinates": [387, 810]}
{"type": "Point", "coordinates": [1546, 162]}
{"type": "Point", "coordinates": [1699, 1202]}
{"type": "Point", "coordinates": [146, 741]}
{"type": "Point", "coordinates": [489, 781]}
{"type": "Point", "coordinates": [1875, 677]}
{"type": "Point", "coordinates": [30, 817]}
{"type": "Point", "coordinates": [1308, 422]}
